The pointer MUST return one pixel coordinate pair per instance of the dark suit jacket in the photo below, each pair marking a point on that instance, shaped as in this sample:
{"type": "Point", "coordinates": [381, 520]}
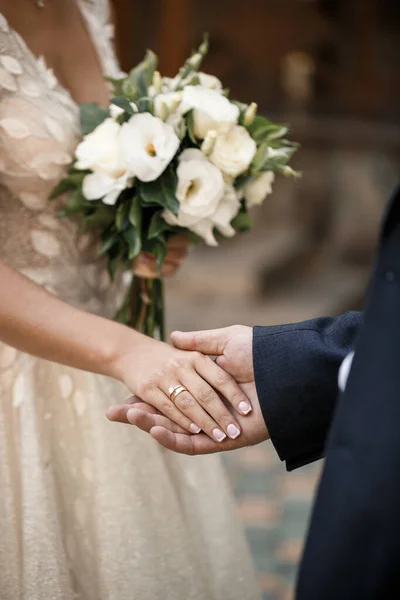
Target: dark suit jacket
{"type": "Point", "coordinates": [353, 546]}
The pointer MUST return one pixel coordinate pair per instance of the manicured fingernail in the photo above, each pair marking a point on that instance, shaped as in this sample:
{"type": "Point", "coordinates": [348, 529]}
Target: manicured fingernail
{"type": "Point", "coordinates": [219, 435]}
{"type": "Point", "coordinates": [245, 408]}
{"type": "Point", "coordinates": [233, 431]}
{"type": "Point", "coordinates": [195, 428]}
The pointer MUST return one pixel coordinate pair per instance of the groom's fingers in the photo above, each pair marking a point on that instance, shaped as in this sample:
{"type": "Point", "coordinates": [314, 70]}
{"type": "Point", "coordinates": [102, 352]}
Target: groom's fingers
{"type": "Point", "coordinates": [184, 443]}
{"type": "Point", "coordinates": [191, 444]}
{"type": "Point", "coordinates": [211, 342]}
{"type": "Point", "coordinates": [119, 412]}
{"type": "Point", "coordinates": [145, 420]}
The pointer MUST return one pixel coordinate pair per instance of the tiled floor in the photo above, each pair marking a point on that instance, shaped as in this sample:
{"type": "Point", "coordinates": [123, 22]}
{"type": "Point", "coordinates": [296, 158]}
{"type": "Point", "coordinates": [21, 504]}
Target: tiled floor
{"type": "Point", "coordinates": [274, 506]}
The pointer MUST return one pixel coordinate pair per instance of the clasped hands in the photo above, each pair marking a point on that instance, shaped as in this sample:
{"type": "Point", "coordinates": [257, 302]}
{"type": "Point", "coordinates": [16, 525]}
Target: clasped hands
{"type": "Point", "coordinates": [220, 409]}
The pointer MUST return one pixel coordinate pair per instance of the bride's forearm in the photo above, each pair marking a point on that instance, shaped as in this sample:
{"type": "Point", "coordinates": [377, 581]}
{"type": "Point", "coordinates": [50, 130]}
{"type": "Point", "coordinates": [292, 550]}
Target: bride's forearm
{"type": "Point", "coordinates": [37, 322]}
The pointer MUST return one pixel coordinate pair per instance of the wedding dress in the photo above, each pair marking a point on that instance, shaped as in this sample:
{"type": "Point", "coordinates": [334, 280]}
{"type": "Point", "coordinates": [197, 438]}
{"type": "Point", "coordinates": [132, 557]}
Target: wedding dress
{"type": "Point", "coordinates": [88, 509]}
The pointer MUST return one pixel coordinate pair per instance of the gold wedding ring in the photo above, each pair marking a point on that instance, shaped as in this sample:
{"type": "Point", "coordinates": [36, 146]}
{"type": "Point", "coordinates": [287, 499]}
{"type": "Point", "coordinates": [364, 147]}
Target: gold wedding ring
{"type": "Point", "coordinates": [175, 391]}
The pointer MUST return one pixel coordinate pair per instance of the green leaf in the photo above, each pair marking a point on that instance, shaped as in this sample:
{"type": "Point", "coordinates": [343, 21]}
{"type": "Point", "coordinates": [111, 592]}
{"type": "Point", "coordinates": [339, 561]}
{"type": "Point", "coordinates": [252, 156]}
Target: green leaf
{"type": "Point", "coordinates": [132, 237]}
{"type": "Point", "coordinates": [260, 158]}
{"type": "Point", "coordinates": [101, 218]}
{"type": "Point", "coordinates": [121, 216]}
{"type": "Point", "coordinates": [272, 159]}
{"type": "Point", "coordinates": [145, 104]}
{"type": "Point", "coordinates": [91, 116]}
{"type": "Point", "coordinates": [242, 221]}
{"type": "Point", "coordinates": [109, 240]}
{"type": "Point", "coordinates": [190, 127]}
{"type": "Point", "coordinates": [72, 181]}
{"type": "Point", "coordinates": [194, 239]}
{"type": "Point", "coordinates": [135, 213]}
{"type": "Point", "coordinates": [61, 188]}
{"type": "Point", "coordinates": [162, 192]}
{"type": "Point", "coordinates": [113, 263]}
{"type": "Point", "coordinates": [77, 203]}
{"type": "Point", "coordinates": [157, 225]}
{"type": "Point", "coordinates": [192, 65]}
{"type": "Point", "coordinates": [123, 103]}
{"type": "Point", "coordinates": [263, 130]}
{"type": "Point", "coordinates": [141, 77]}
{"type": "Point", "coordinates": [116, 84]}
{"type": "Point", "coordinates": [130, 90]}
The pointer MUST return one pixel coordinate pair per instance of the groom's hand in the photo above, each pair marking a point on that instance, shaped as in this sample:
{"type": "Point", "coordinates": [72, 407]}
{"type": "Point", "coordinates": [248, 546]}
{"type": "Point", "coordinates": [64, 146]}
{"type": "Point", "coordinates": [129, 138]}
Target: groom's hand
{"type": "Point", "coordinates": [233, 347]}
{"type": "Point", "coordinates": [172, 437]}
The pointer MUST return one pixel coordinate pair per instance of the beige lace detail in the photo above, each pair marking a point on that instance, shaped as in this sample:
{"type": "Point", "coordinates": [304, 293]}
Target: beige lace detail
{"type": "Point", "coordinates": [88, 510]}
{"type": "Point", "coordinates": [39, 129]}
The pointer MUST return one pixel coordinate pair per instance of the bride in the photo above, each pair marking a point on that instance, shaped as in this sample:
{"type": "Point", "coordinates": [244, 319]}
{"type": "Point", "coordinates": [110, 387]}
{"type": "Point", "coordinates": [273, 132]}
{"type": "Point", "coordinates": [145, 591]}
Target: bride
{"type": "Point", "coordinates": [87, 509]}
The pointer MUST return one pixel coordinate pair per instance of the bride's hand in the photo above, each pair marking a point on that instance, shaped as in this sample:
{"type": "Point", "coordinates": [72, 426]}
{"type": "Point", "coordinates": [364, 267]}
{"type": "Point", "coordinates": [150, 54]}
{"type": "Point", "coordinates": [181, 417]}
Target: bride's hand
{"type": "Point", "coordinates": [145, 264]}
{"type": "Point", "coordinates": [154, 368]}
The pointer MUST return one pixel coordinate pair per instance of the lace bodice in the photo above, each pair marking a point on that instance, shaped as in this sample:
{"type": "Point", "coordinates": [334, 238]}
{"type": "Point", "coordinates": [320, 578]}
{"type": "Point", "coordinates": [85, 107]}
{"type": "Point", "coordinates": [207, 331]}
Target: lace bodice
{"type": "Point", "coordinates": [39, 129]}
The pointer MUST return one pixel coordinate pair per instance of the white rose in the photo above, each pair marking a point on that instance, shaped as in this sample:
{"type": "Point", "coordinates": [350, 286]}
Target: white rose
{"type": "Point", "coordinates": [233, 151]}
{"type": "Point", "coordinates": [148, 146]}
{"type": "Point", "coordinates": [211, 110]}
{"type": "Point", "coordinates": [100, 152]}
{"type": "Point", "coordinates": [200, 190]}
{"type": "Point", "coordinates": [210, 82]}
{"type": "Point", "coordinates": [258, 189]}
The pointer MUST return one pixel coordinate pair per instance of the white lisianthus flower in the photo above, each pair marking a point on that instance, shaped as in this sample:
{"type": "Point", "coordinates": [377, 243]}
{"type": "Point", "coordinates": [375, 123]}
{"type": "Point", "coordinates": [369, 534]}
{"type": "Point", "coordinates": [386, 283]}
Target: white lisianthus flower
{"type": "Point", "coordinates": [200, 190]}
{"type": "Point", "coordinates": [233, 151]}
{"type": "Point", "coordinates": [100, 152]}
{"type": "Point", "coordinates": [211, 110]}
{"type": "Point", "coordinates": [258, 189]}
{"type": "Point", "coordinates": [210, 82]}
{"type": "Point", "coordinates": [227, 210]}
{"type": "Point", "coordinates": [101, 185]}
{"type": "Point", "coordinates": [148, 146]}
{"type": "Point", "coordinates": [100, 148]}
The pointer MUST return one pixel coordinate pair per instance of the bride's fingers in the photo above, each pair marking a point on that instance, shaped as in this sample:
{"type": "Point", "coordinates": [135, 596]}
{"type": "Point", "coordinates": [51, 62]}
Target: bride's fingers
{"type": "Point", "coordinates": [208, 404]}
{"type": "Point", "coordinates": [224, 383]}
{"type": "Point", "coordinates": [162, 402]}
{"type": "Point", "coordinates": [145, 421]}
{"type": "Point", "coordinates": [188, 403]}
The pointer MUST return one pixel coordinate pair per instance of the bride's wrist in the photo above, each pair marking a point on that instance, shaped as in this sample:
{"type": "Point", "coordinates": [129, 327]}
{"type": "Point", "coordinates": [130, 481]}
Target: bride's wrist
{"type": "Point", "coordinates": [125, 347]}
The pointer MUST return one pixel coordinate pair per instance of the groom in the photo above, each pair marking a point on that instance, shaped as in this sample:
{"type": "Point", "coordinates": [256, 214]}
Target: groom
{"type": "Point", "coordinates": [291, 373]}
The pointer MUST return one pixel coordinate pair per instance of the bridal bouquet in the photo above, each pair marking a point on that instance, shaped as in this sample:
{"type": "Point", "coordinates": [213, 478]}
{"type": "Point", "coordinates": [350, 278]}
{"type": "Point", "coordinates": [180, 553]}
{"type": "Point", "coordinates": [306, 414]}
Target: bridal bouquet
{"type": "Point", "coordinates": [169, 157]}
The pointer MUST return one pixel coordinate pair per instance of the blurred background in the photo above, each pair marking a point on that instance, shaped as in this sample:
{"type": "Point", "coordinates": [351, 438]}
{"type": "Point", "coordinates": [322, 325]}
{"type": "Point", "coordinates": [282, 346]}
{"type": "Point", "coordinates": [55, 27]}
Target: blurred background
{"type": "Point", "coordinates": [330, 68]}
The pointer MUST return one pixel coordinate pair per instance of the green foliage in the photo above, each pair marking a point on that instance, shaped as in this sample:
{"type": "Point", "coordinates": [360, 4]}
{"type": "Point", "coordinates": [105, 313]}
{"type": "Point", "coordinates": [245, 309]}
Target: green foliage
{"type": "Point", "coordinates": [263, 130]}
{"type": "Point", "coordinates": [137, 83]}
{"type": "Point", "coordinates": [193, 64]}
{"type": "Point", "coordinates": [73, 180]}
{"type": "Point", "coordinates": [161, 192]}
{"type": "Point", "coordinates": [77, 203]}
{"type": "Point", "coordinates": [91, 116]}
{"type": "Point", "coordinates": [157, 226]}
{"type": "Point", "coordinates": [190, 127]}
{"type": "Point", "coordinates": [123, 103]}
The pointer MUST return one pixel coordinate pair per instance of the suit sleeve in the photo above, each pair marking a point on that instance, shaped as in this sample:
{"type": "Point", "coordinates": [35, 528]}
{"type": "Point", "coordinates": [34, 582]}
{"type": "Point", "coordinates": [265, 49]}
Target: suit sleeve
{"type": "Point", "coordinates": [296, 373]}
